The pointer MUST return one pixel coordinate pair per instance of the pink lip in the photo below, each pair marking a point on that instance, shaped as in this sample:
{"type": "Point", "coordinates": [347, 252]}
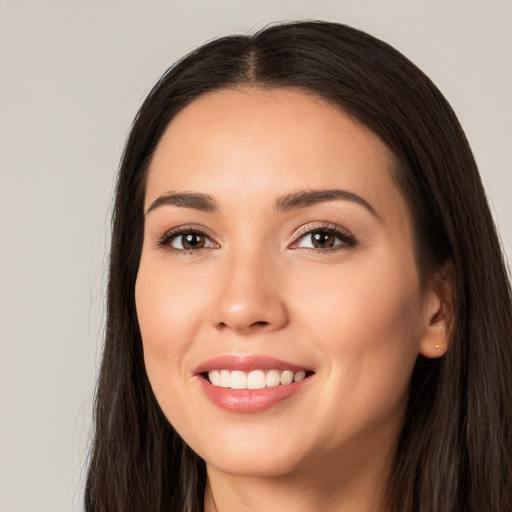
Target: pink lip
{"type": "Point", "coordinates": [246, 364]}
{"type": "Point", "coordinates": [248, 400]}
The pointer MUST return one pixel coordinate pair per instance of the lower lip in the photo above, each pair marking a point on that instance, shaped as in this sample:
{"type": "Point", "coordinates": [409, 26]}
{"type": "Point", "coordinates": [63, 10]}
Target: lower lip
{"type": "Point", "coordinates": [250, 400]}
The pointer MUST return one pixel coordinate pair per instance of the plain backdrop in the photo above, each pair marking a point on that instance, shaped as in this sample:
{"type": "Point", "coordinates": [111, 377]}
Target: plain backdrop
{"type": "Point", "coordinates": [72, 75]}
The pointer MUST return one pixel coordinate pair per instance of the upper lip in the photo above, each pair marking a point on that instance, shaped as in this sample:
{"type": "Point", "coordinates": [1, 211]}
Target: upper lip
{"type": "Point", "coordinates": [247, 363]}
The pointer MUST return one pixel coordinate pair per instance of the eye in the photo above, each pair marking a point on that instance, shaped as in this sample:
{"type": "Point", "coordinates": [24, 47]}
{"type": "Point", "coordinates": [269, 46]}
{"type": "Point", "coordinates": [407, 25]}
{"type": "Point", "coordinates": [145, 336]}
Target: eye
{"type": "Point", "coordinates": [190, 241]}
{"type": "Point", "coordinates": [324, 238]}
{"type": "Point", "coordinates": [186, 240]}
{"type": "Point", "coordinates": [319, 240]}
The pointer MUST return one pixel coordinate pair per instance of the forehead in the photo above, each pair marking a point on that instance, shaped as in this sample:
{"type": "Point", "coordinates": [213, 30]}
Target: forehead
{"type": "Point", "coordinates": [255, 143]}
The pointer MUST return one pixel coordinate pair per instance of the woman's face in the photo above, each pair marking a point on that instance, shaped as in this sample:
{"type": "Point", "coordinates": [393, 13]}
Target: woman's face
{"type": "Point", "coordinates": [277, 247]}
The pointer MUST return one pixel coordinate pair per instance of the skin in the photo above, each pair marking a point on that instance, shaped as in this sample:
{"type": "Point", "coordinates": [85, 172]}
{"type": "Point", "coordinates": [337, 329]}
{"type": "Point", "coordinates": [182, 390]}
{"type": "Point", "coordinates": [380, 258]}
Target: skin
{"type": "Point", "coordinates": [357, 315]}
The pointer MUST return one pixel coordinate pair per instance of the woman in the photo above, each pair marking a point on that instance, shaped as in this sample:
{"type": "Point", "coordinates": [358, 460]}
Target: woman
{"type": "Point", "coordinates": [307, 305]}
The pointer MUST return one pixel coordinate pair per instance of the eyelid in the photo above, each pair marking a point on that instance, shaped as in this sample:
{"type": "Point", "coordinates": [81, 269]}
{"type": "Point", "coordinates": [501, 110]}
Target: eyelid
{"type": "Point", "coordinates": [163, 241]}
{"type": "Point", "coordinates": [347, 238]}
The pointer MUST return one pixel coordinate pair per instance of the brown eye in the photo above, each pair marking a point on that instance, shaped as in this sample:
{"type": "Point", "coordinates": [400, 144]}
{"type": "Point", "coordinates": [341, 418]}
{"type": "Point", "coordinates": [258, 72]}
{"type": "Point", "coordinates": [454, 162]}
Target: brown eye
{"type": "Point", "coordinates": [190, 241]}
{"type": "Point", "coordinates": [322, 239]}
{"type": "Point", "coordinates": [325, 238]}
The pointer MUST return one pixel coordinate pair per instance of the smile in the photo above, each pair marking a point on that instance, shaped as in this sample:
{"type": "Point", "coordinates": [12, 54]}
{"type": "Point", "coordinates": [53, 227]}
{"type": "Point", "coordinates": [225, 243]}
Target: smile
{"type": "Point", "coordinates": [256, 379]}
{"type": "Point", "coordinates": [251, 383]}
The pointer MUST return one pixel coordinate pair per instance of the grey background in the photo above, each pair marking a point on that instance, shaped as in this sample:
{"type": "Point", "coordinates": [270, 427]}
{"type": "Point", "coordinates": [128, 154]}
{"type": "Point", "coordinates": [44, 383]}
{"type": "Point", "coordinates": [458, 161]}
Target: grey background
{"type": "Point", "coordinates": [72, 75]}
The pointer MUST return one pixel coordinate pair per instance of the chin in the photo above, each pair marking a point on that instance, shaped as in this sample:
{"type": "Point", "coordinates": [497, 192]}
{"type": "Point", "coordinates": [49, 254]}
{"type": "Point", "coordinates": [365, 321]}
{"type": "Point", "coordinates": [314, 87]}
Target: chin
{"type": "Point", "coordinates": [253, 466]}
{"type": "Point", "coordinates": [250, 459]}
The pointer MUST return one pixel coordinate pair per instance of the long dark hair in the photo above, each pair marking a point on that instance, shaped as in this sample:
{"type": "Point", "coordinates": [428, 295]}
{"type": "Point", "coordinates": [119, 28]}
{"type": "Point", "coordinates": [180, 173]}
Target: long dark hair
{"type": "Point", "coordinates": [455, 449]}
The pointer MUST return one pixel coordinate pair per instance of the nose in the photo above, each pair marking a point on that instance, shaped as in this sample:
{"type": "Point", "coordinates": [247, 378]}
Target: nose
{"type": "Point", "coordinates": [250, 297]}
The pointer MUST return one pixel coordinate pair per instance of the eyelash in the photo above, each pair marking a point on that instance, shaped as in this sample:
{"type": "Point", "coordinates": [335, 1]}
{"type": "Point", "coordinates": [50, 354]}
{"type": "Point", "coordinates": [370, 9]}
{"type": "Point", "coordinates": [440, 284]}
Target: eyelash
{"type": "Point", "coordinates": [348, 240]}
{"type": "Point", "coordinates": [165, 240]}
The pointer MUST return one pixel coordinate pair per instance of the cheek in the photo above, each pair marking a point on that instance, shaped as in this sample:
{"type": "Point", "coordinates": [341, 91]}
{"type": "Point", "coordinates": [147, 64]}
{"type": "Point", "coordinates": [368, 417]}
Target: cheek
{"type": "Point", "coordinates": [367, 325]}
{"type": "Point", "coordinates": [371, 298]}
{"type": "Point", "coordinates": [165, 311]}
{"type": "Point", "coordinates": [382, 315]}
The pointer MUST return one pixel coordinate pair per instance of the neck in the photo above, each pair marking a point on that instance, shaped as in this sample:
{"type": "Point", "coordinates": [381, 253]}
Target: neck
{"type": "Point", "coordinates": [325, 487]}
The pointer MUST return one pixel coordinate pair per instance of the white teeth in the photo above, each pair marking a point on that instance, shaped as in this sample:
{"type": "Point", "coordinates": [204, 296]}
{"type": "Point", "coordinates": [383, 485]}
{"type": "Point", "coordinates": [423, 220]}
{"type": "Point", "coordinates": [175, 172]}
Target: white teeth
{"type": "Point", "coordinates": [273, 378]}
{"type": "Point", "coordinates": [299, 376]}
{"type": "Point", "coordinates": [238, 380]}
{"type": "Point", "coordinates": [287, 377]}
{"type": "Point", "coordinates": [214, 377]}
{"type": "Point", "coordinates": [256, 379]}
{"type": "Point", "coordinates": [225, 378]}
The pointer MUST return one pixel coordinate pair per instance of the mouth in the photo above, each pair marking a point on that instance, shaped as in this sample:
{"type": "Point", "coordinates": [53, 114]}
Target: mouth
{"type": "Point", "coordinates": [255, 379]}
{"type": "Point", "coordinates": [250, 384]}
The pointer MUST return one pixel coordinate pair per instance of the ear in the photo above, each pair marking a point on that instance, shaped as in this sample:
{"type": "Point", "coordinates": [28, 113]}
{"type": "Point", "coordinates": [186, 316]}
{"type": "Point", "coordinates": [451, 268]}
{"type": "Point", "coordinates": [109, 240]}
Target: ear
{"type": "Point", "coordinates": [439, 313]}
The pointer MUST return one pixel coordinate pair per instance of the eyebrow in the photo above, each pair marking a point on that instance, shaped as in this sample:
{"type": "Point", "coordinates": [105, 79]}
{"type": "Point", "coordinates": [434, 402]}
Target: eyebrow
{"type": "Point", "coordinates": [292, 201]}
{"type": "Point", "coordinates": [202, 202]}
{"type": "Point", "coordinates": [307, 198]}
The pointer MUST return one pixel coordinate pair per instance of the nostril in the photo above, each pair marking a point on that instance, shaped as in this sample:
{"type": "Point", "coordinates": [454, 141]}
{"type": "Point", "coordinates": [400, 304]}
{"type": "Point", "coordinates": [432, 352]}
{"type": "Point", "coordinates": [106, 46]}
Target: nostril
{"type": "Point", "coordinates": [260, 323]}
{"type": "Point", "coordinates": [257, 326]}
